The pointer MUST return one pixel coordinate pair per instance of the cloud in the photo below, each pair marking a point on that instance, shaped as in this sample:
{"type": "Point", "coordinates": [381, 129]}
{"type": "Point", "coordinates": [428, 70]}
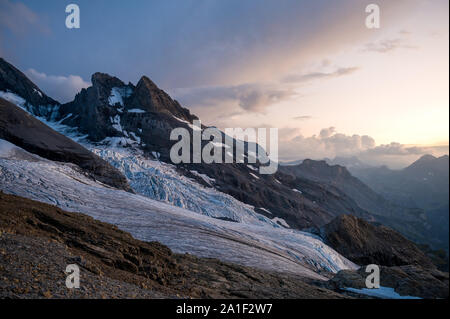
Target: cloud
{"type": "Point", "coordinates": [302, 117]}
{"type": "Point", "coordinates": [249, 97]}
{"type": "Point", "coordinates": [299, 78]}
{"type": "Point", "coordinates": [388, 45]}
{"type": "Point", "coordinates": [330, 144]}
{"type": "Point", "coordinates": [395, 148]}
{"type": "Point", "coordinates": [254, 97]}
{"type": "Point", "coordinates": [19, 19]}
{"type": "Point", "coordinates": [62, 88]}
{"type": "Point", "coordinates": [265, 40]}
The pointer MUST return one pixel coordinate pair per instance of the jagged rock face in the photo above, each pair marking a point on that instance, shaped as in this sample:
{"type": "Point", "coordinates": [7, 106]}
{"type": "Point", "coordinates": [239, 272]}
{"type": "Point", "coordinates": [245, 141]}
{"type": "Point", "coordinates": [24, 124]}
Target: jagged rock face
{"type": "Point", "coordinates": [149, 97]}
{"type": "Point", "coordinates": [109, 108]}
{"type": "Point", "coordinates": [12, 80]}
{"type": "Point", "coordinates": [91, 110]}
{"type": "Point", "coordinates": [364, 243]}
{"type": "Point", "coordinates": [23, 130]}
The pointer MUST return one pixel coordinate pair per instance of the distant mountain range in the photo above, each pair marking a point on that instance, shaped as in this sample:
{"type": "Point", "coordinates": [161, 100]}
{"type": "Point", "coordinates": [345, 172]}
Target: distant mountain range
{"type": "Point", "coordinates": [424, 184]}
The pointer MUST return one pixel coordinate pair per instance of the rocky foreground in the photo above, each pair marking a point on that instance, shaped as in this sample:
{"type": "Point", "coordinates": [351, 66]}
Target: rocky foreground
{"type": "Point", "coordinates": [38, 241]}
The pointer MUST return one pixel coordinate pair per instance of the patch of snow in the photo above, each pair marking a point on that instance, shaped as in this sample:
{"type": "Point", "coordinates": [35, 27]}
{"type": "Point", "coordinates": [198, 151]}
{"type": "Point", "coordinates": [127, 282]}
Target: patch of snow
{"type": "Point", "coordinates": [49, 111]}
{"type": "Point", "coordinates": [193, 127]}
{"type": "Point", "coordinates": [281, 221]}
{"type": "Point", "coordinates": [38, 92]}
{"type": "Point", "coordinates": [115, 97]}
{"type": "Point", "coordinates": [210, 181]}
{"type": "Point", "coordinates": [136, 138]}
{"type": "Point", "coordinates": [219, 145]}
{"type": "Point", "coordinates": [6, 148]}
{"type": "Point", "coordinates": [252, 168]}
{"type": "Point", "coordinates": [253, 175]}
{"type": "Point", "coordinates": [14, 99]}
{"type": "Point", "coordinates": [268, 212]}
{"type": "Point", "coordinates": [382, 292]}
{"type": "Point", "coordinates": [116, 123]}
{"type": "Point", "coordinates": [117, 141]}
{"type": "Point", "coordinates": [297, 190]}
{"type": "Point", "coordinates": [117, 94]}
{"type": "Point", "coordinates": [136, 111]}
{"type": "Point", "coordinates": [156, 154]}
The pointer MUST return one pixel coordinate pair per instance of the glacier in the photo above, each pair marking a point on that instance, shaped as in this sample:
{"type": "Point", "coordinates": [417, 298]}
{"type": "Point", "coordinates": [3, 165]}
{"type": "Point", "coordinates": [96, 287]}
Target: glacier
{"type": "Point", "coordinates": [253, 240]}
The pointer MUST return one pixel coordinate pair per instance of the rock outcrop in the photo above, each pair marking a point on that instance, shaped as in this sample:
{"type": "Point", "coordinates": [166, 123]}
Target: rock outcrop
{"type": "Point", "coordinates": [365, 243]}
{"type": "Point", "coordinates": [406, 280]}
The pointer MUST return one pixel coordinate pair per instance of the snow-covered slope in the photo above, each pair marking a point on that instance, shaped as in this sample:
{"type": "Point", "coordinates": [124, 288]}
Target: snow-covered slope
{"type": "Point", "coordinates": [255, 241]}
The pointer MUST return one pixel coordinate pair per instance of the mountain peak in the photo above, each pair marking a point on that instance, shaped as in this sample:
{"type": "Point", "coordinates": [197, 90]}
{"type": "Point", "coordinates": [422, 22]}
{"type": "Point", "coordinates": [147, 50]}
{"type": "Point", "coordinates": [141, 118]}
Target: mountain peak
{"type": "Point", "coordinates": [147, 83]}
{"type": "Point", "coordinates": [323, 168]}
{"type": "Point", "coordinates": [105, 80]}
{"type": "Point", "coordinates": [148, 96]}
{"type": "Point", "coordinates": [427, 157]}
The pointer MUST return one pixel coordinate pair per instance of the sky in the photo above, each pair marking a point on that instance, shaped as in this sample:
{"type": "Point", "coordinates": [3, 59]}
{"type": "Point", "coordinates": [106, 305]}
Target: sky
{"type": "Point", "coordinates": [312, 69]}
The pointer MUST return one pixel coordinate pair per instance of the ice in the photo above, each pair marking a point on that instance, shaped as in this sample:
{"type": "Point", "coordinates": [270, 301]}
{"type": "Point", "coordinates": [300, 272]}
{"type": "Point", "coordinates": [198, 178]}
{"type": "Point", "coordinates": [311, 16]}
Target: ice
{"type": "Point", "coordinates": [193, 127]}
{"type": "Point", "coordinates": [382, 292]}
{"type": "Point", "coordinates": [38, 92]}
{"type": "Point", "coordinates": [267, 211]}
{"type": "Point", "coordinates": [136, 138]}
{"type": "Point", "coordinates": [219, 145]}
{"type": "Point", "coordinates": [6, 148]}
{"type": "Point", "coordinates": [13, 98]}
{"type": "Point", "coordinates": [162, 182]}
{"type": "Point", "coordinates": [281, 221]}
{"type": "Point", "coordinates": [50, 112]}
{"type": "Point", "coordinates": [116, 123]}
{"type": "Point", "coordinates": [117, 94]}
{"type": "Point", "coordinates": [253, 175]}
{"type": "Point", "coordinates": [136, 111]}
{"type": "Point", "coordinates": [206, 178]}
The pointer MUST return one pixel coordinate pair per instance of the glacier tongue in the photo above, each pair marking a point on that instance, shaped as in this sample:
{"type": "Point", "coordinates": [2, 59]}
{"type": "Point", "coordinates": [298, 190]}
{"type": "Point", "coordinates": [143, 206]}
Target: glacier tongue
{"type": "Point", "coordinates": [253, 241]}
{"type": "Point", "coordinates": [160, 181]}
